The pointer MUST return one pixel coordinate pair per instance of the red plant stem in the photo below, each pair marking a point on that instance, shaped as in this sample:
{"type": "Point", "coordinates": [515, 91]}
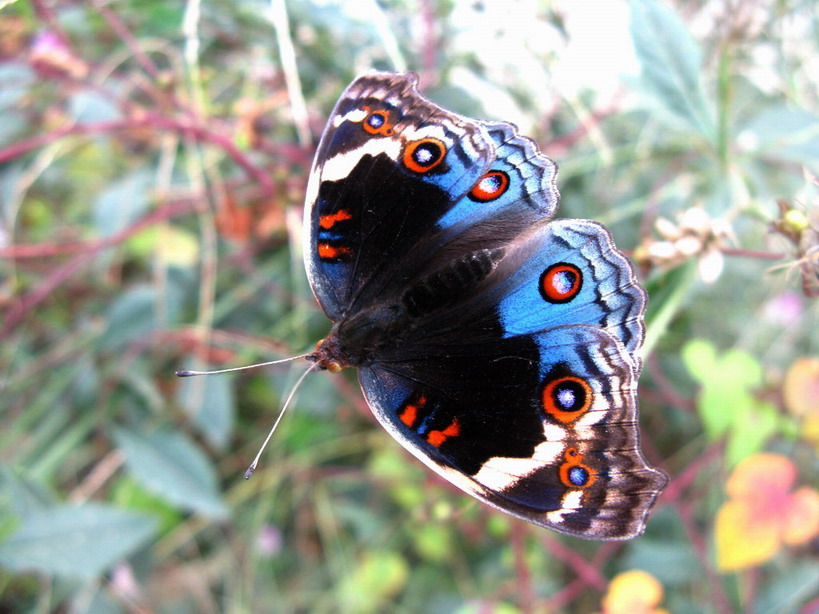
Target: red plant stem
{"type": "Point", "coordinates": [566, 141]}
{"type": "Point", "coordinates": [429, 43]}
{"type": "Point", "coordinates": [587, 572]}
{"type": "Point", "coordinates": [750, 253]}
{"type": "Point", "coordinates": [198, 132]}
{"type": "Point", "coordinates": [525, 592]}
{"type": "Point", "coordinates": [683, 480]}
{"type": "Point", "coordinates": [39, 250]}
{"type": "Point", "coordinates": [26, 303]}
{"type": "Point", "coordinates": [29, 301]}
{"type": "Point", "coordinates": [721, 602]}
{"type": "Point", "coordinates": [125, 34]}
{"type": "Point", "coordinates": [664, 385]}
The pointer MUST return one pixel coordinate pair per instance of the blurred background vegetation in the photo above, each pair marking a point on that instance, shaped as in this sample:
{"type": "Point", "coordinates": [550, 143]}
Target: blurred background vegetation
{"type": "Point", "coordinates": [153, 161]}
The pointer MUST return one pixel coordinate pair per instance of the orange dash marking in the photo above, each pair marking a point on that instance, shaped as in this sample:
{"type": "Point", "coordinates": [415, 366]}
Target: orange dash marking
{"type": "Point", "coordinates": [328, 221]}
{"type": "Point", "coordinates": [410, 413]}
{"type": "Point", "coordinates": [436, 438]}
{"type": "Point", "coordinates": [326, 250]}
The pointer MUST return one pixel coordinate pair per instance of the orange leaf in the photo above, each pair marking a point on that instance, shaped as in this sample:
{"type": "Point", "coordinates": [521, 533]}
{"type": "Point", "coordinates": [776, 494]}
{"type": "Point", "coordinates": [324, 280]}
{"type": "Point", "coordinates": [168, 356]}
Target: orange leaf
{"type": "Point", "coordinates": [762, 479]}
{"type": "Point", "coordinates": [801, 387]}
{"type": "Point", "coordinates": [802, 519]}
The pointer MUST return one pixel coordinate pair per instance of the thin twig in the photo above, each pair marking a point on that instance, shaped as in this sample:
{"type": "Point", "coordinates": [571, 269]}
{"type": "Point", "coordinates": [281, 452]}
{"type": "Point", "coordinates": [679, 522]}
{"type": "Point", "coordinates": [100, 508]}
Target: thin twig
{"type": "Point", "coordinates": [196, 131]}
{"type": "Point", "coordinates": [525, 592]}
{"type": "Point", "coordinates": [287, 55]}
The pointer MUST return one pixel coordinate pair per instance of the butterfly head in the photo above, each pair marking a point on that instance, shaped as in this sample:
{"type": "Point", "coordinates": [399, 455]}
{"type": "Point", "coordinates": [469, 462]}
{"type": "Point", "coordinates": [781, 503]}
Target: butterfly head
{"type": "Point", "coordinates": [328, 356]}
{"type": "Point", "coordinates": [354, 340]}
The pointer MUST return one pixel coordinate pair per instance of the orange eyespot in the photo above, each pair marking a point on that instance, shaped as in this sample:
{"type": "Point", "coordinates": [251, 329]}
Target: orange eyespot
{"type": "Point", "coordinates": [424, 155]}
{"type": "Point", "coordinates": [377, 122]}
{"type": "Point", "coordinates": [489, 187]}
{"type": "Point", "coordinates": [573, 473]}
{"type": "Point", "coordinates": [566, 398]}
{"type": "Point", "coordinates": [561, 282]}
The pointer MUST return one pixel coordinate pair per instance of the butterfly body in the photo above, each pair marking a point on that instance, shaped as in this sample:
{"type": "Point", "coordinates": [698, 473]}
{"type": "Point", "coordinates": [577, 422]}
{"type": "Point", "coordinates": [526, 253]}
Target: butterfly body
{"type": "Point", "coordinates": [498, 345]}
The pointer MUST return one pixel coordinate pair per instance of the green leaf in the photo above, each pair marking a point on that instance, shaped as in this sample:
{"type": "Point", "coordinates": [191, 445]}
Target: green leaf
{"type": "Point", "coordinates": [101, 603]}
{"type": "Point", "coordinates": [127, 493]}
{"type": "Point", "coordinates": [726, 403]}
{"type": "Point", "coordinates": [787, 134]}
{"type": "Point", "coordinates": [88, 106]}
{"type": "Point", "coordinates": [670, 59]}
{"type": "Point", "coordinates": [669, 560]}
{"type": "Point", "coordinates": [699, 356]}
{"type": "Point", "coordinates": [122, 203]}
{"type": "Point", "coordinates": [793, 587]}
{"type": "Point", "coordinates": [211, 403]}
{"type": "Point", "coordinates": [75, 542]}
{"type": "Point", "coordinates": [434, 542]}
{"type": "Point", "coordinates": [378, 576]}
{"type": "Point", "coordinates": [726, 381]}
{"type": "Point", "coordinates": [23, 496]}
{"type": "Point", "coordinates": [171, 466]}
{"type": "Point", "coordinates": [171, 246]}
{"type": "Point", "coordinates": [130, 317]}
{"type": "Point", "coordinates": [15, 79]}
{"type": "Point", "coordinates": [750, 433]}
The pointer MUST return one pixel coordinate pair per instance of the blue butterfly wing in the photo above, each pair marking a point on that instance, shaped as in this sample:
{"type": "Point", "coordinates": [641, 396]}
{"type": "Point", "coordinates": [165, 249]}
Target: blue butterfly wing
{"type": "Point", "coordinates": [570, 271]}
{"type": "Point", "coordinates": [378, 221]}
{"type": "Point", "coordinates": [499, 347]}
{"type": "Point", "coordinates": [542, 426]}
{"type": "Point", "coordinates": [530, 193]}
{"type": "Point", "coordinates": [385, 171]}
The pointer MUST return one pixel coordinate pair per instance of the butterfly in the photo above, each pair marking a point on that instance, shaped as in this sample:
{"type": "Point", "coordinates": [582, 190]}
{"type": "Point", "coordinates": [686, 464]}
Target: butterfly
{"type": "Point", "coordinates": [496, 344]}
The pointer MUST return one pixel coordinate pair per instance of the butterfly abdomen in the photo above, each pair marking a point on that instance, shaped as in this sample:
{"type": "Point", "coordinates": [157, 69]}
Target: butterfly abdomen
{"type": "Point", "coordinates": [359, 337]}
{"type": "Point", "coordinates": [451, 283]}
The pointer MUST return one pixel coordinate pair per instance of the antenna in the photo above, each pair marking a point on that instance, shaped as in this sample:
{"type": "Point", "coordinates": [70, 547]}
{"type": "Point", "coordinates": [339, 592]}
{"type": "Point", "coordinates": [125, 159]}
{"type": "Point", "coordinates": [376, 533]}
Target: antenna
{"type": "Point", "coordinates": [252, 467]}
{"type": "Point", "coordinates": [255, 462]}
{"type": "Point", "coordinates": [187, 373]}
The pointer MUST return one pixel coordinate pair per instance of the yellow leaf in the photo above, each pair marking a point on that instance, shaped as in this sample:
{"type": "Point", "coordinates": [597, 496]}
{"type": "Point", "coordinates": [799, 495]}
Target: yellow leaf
{"type": "Point", "coordinates": [171, 246]}
{"type": "Point", "coordinates": [742, 541]}
{"type": "Point", "coordinates": [633, 592]}
{"type": "Point", "coordinates": [810, 429]}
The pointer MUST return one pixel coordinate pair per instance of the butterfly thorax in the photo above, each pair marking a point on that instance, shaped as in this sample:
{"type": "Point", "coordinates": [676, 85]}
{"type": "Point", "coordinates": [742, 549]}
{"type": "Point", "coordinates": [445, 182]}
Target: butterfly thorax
{"type": "Point", "coordinates": [357, 338]}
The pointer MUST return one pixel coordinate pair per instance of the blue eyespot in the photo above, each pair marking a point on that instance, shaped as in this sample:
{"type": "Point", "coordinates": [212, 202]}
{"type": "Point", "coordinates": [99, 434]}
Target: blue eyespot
{"type": "Point", "coordinates": [566, 398]}
{"type": "Point", "coordinates": [578, 476]}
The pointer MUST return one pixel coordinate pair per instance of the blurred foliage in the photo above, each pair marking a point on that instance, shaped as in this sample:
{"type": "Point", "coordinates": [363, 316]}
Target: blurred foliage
{"type": "Point", "coordinates": [153, 162]}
